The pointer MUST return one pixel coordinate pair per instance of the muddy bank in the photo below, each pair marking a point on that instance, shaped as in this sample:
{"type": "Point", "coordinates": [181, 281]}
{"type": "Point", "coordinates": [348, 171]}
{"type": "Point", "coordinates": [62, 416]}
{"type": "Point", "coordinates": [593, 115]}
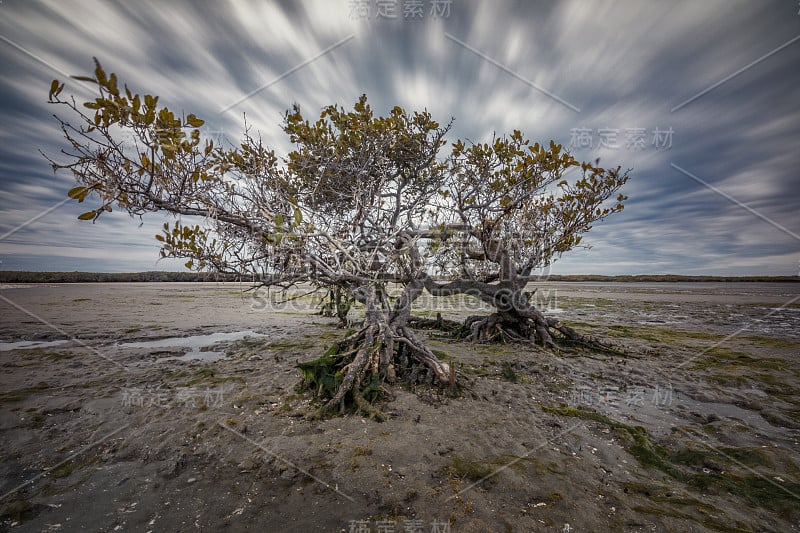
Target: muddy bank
{"type": "Point", "coordinates": [694, 427]}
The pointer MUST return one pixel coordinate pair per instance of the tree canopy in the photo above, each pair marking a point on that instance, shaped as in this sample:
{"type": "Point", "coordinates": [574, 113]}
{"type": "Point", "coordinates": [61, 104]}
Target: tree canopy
{"type": "Point", "coordinates": [360, 201]}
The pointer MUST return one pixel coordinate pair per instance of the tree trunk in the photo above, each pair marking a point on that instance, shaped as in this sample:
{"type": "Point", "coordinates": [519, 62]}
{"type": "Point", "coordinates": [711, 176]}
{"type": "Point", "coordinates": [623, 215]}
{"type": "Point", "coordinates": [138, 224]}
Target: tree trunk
{"type": "Point", "coordinates": [338, 304]}
{"type": "Point", "coordinates": [515, 318]}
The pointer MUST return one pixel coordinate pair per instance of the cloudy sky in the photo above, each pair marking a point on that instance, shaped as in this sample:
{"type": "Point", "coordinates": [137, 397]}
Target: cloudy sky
{"type": "Point", "coordinates": [699, 99]}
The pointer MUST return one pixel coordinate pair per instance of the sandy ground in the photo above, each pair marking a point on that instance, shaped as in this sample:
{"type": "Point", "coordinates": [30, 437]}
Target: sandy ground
{"type": "Point", "coordinates": [694, 428]}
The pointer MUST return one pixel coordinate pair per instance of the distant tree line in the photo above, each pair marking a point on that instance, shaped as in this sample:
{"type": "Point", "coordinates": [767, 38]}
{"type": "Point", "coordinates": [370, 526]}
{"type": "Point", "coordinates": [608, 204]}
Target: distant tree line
{"type": "Point", "coordinates": [22, 276]}
{"type": "Point", "coordinates": [18, 276]}
{"type": "Point", "coordinates": [659, 278]}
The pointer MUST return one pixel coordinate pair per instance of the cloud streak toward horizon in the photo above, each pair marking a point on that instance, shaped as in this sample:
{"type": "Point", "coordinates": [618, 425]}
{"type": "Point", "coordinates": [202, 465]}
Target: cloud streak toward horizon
{"type": "Point", "coordinates": [708, 87]}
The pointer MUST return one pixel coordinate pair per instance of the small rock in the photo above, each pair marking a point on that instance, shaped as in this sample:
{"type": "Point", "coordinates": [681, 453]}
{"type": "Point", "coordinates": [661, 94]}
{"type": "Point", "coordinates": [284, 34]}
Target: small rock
{"type": "Point", "coordinates": [191, 480]}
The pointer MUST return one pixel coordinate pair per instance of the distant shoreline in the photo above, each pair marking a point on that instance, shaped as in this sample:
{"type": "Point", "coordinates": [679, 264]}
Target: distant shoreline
{"type": "Point", "coordinates": [19, 276]}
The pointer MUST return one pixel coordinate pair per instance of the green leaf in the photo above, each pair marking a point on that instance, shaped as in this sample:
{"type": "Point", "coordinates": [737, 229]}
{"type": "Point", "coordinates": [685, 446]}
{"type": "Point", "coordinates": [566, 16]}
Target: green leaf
{"type": "Point", "coordinates": [99, 73]}
{"type": "Point", "coordinates": [112, 85]}
{"type": "Point", "coordinates": [84, 78]}
{"type": "Point", "coordinates": [78, 193]}
{"type": "Point", "coordinates": [298, 217]}
{"type": "Point", "coordinates": [53, 89]}
{"type": "Point", "coordinates": [189, 264]}
{"type": "Point", "coordinates": [194, 122]}
{"type": "Point", "coordinates": [279, 220]}
{"type": "Point", "coordinates": [89, 215]}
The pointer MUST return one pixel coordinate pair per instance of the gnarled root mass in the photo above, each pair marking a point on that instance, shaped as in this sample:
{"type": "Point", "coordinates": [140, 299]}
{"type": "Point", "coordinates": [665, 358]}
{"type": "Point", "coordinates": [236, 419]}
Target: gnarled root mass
{"type": "Point", "coordinates": [352, 372]}
{"type": "Point", "coordinates": [515, 327]}
{"type": "Point", "coordinates": [529, 327]}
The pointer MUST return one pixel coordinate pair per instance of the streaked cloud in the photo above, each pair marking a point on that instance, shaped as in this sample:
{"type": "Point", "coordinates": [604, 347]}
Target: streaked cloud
{"type": "Point", "coordinates": [623, 64]}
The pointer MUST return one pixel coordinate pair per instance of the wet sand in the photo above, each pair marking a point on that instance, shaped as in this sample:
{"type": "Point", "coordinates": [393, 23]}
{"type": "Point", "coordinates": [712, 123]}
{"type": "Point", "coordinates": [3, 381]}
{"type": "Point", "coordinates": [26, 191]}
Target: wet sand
{"type": "Point", "coordinates": [693, 426]}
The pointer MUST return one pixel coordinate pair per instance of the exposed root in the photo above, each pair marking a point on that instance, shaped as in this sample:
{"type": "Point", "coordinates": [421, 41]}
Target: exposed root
{"type": "Point", "coordinates": [352, 372]}
{"type": "Point", "coordinates": [442, 324]}
{"type": "Point", "coordinates": [366, 407]}
{"type": "Point", "coordinates": [529, 327]}
{"type": "Point", "coordinates": [497, 327]}
{"type": "Point", "coordinates": [337, 304]}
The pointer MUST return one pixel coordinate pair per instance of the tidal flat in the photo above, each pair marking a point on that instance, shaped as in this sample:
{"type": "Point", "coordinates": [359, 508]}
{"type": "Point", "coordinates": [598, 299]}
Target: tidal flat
{"type": "Point", "coordinates": [174, 407]}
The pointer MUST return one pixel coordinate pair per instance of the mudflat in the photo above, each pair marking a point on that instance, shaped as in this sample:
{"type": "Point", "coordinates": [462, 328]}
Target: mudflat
{"type": "Point", "coordinates": [174, 407]}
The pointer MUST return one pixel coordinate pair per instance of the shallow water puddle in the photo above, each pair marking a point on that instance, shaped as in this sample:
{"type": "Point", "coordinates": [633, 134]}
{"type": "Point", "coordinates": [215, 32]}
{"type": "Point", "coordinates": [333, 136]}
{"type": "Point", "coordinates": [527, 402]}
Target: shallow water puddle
{"type": "Point", "coordinates": [24, 345]}
{"type": "Point", "coordinates": [195, 343]}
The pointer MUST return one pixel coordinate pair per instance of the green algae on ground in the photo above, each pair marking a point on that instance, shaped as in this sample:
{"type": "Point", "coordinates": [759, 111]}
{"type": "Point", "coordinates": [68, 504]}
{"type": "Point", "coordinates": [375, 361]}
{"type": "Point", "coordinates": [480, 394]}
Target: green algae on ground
{"type": "Point", "coordinates": [20, 511]}
{"type": "Point", "coordinates": [249, 342]}
{"type": "Point", "coordinates": [442, 355]}
{"type": "Point", "coordinates": [66, 468]}
{"type": "Point", "coordinates": [757, 488]}
{"type": "Point", "coordinates": [39, 353]}
{"type": "Point", "coordinates": [208, 376]}
{"type": "Point", "coordinates": [708, 522]}
{"type": "Point", "coordinates": [750, 457]}
{"type": "Point", "coordinates": [772, 342]}
{"type": "Point", "coordinates": [466, 469]}
{"type": "Point", "coordinates": [661, 335]}
{"type": "Point", "coordinates": [286, 345]}
{"type": "Point", "coordinates": [508, 373]}
{"type": "Point", "coordinates": [18, 395]}
{"type": "Point", "coordinates": [638, 441]}
{"type": "Point", "coordinates": [731, 359]}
